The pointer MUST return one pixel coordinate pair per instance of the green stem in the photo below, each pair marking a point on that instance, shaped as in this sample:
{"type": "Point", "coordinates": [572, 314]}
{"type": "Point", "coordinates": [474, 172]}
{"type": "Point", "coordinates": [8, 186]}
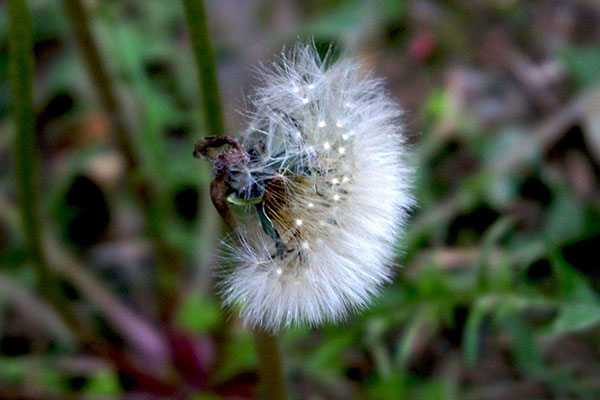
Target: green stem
{"type": "Point", "coordinates": [269, 364]}
{"type": "Point", "coordinates": [21, 76]}
{"type": "Point", "coordinates": [207, 72]}
{"type": "Point", "coordinates": [168, 259]}
{"type": "Point", "coordinates": [266, 345]}
{"type": "Point", "coordinates": [100, 78]}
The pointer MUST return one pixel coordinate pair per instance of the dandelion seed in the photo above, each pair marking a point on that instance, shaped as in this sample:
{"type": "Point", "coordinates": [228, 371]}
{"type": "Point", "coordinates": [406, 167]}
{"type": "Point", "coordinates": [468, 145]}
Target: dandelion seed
{"type": "Point", "coordinates": [324, 263]}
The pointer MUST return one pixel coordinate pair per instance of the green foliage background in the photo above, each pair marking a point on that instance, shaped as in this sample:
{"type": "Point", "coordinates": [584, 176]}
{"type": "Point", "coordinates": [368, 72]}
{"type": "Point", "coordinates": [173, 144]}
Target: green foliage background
{"type": "Point", "coordinates": [497, 296]}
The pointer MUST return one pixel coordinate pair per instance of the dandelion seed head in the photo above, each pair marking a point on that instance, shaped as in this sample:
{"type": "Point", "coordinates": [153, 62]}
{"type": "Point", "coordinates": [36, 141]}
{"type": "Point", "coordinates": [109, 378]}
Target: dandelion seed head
{"type": "Point", "coordinates": [310, 249]}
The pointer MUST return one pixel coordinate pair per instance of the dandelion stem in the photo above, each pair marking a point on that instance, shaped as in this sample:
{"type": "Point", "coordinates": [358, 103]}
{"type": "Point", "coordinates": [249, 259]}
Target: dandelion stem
{"type": "Point", "coordinates": [207, 72]}
{"type": "Point", "coordinates": [269, 364]}
{"type": "Point", "coordinates": [266, 346]}
{"type": "Point", "coordinates": [273, 384]}
{"type": "Point", "coordinates": [26, 162]}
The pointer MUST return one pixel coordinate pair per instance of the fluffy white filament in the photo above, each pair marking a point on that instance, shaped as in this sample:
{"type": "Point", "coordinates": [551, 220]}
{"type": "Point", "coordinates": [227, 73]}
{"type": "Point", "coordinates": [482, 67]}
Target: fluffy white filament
{"type": "Point", "coordinates": [327, 149]}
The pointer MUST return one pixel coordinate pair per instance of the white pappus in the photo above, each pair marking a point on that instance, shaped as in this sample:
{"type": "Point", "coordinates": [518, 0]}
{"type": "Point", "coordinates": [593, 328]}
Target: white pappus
{"type": "Point", "coordinates": [322, 197]}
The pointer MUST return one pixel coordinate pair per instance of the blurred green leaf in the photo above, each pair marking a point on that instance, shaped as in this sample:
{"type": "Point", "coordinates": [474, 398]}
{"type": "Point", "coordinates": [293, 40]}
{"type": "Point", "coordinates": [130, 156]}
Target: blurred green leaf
{"type": "Point", "coordinates": [576, 317]}
{"type": "Point", "coordinates": [350, 18]}
{"type": "Point", "coordinates": [583, 63]}
{"type": "Point", "coordinates": [472, 330]}
{"type": "Point", "coordinates": [566, 219]}
{"type": "Point", "coordinates": [572, 286]}
{"type": "Point", "coordinates": [396, 387]}
{"type": "Point", "coordinates": [205, 396]}
{"type": "Point", "coordinates": [103, 383]}
{"type": "Point", "coordinates": [492, 235]}
{"type": "Point", "coordinates": [438, 104]}
{"type": "Point", "coordinates": [327, 355]}
{"type": "Point", "coordinates": [199, 313]}
{"type": "Point", "coordinates": [12, 370]}
{"type": "Point", "coordinates": [435, 389]}
{"type": "Point", "coordinates": [525, 348]}
{"type": "Point", "coordinates": [240, 355]}
{"type": "Point", "coordinates": [419, 329]}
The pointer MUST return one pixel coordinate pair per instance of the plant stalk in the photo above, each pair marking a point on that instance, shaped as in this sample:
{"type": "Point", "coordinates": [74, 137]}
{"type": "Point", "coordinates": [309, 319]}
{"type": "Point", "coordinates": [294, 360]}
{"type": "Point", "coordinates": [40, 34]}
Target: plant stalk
{"type": "Point", "coordinates": [195, 14]}
{"type": "Point", "coordinates": [168, 260]}
{"type": "Point", "coordinates": [232, 153]}
{"type": "Point", "coordinates": [266, 346]}
{"type": "Point", "coordinates": [269, 366]}
{"type": "Point", "coordinates": [26, 157]}
{"type": "Point", "coordinates": [101, 81]}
